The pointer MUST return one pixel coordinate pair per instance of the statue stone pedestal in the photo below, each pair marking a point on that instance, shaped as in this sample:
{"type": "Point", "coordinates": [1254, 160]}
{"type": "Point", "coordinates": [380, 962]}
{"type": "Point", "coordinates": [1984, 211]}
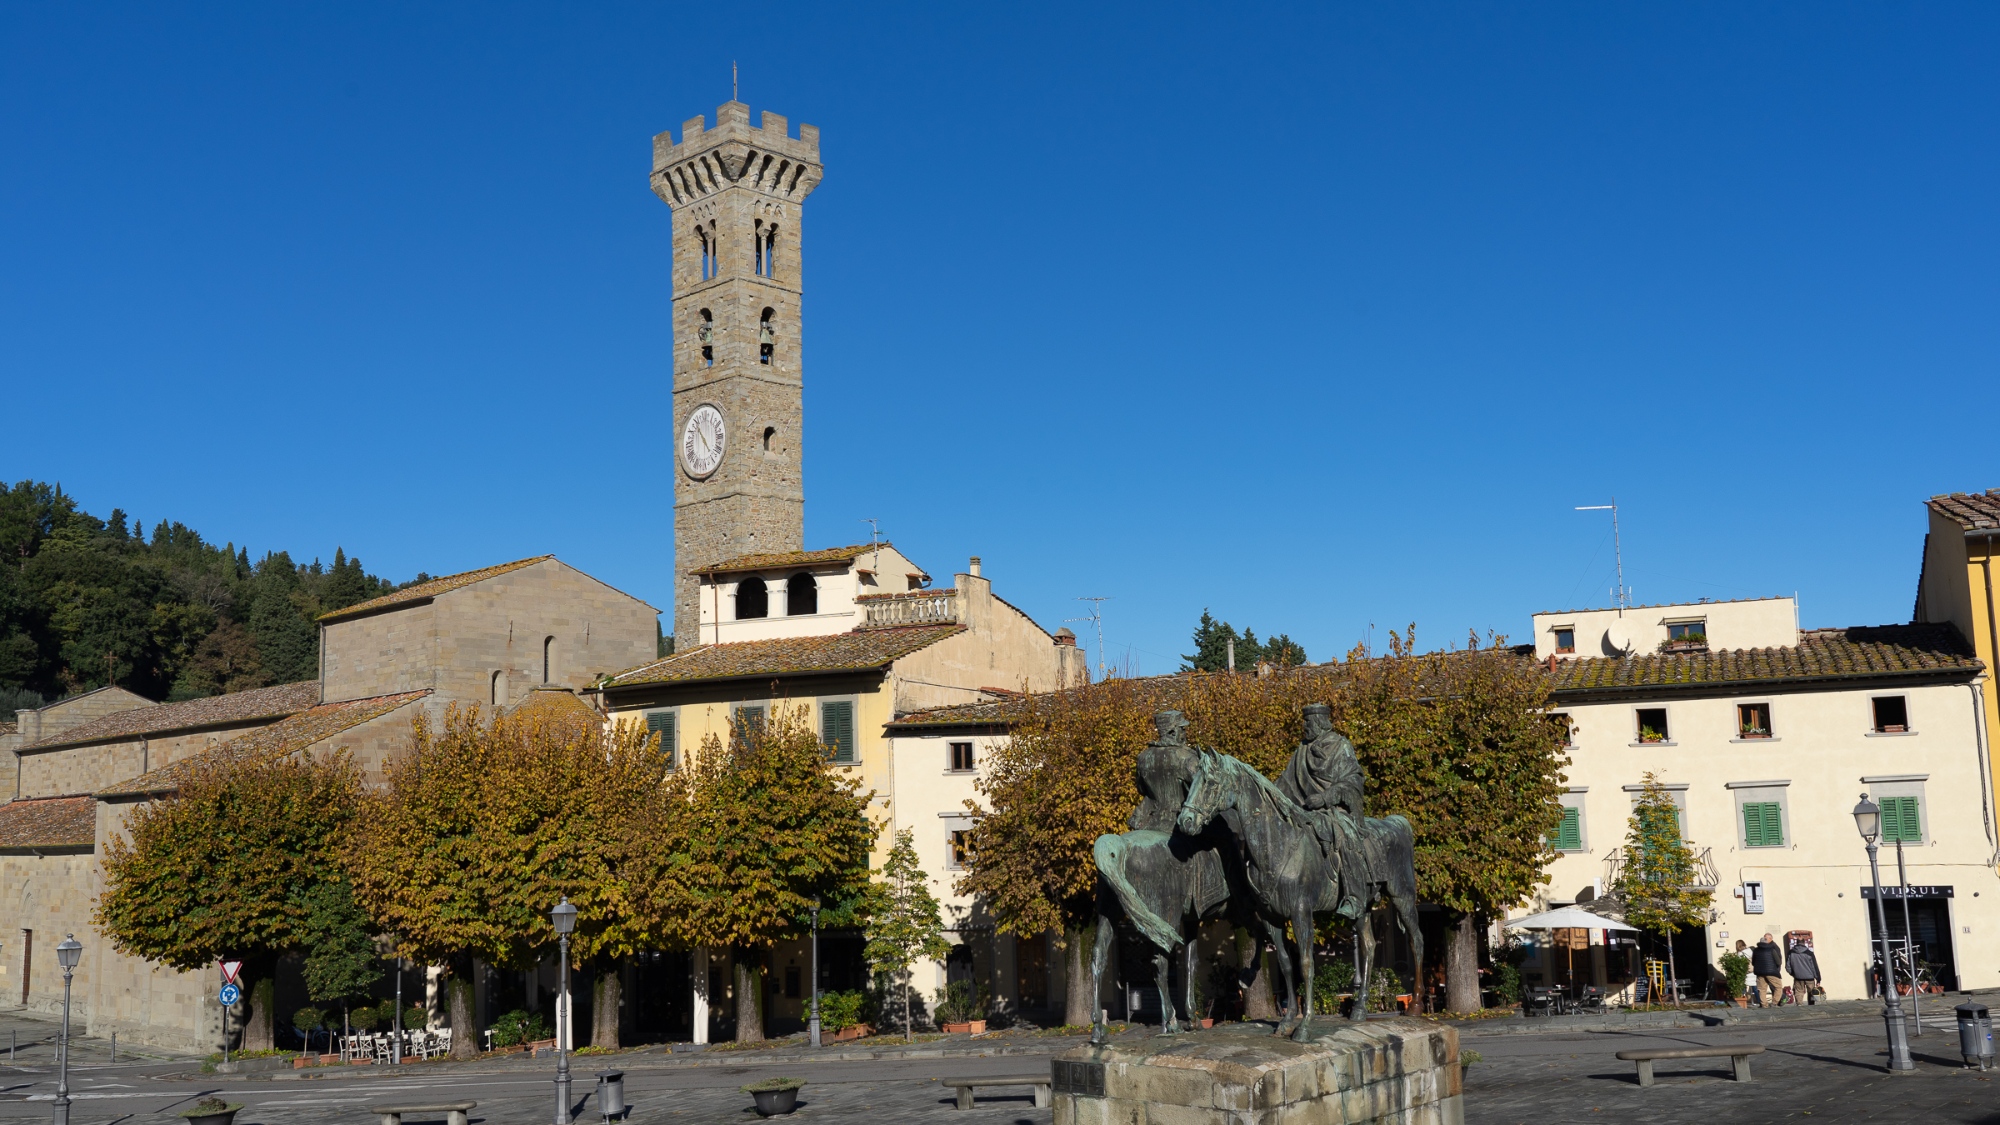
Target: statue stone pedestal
{"type": "Point", "coordinates": [1393, 1071]}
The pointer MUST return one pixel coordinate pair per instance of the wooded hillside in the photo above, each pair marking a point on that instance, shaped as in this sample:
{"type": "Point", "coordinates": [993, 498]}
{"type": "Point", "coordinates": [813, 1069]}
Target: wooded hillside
{"type": "Point", "coordinates": [170, 616]}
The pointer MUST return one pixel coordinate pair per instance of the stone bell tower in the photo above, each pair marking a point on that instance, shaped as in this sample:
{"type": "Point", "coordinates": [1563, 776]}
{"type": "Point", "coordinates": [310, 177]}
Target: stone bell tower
{"type": "Point", "coordinates": [738, 195]}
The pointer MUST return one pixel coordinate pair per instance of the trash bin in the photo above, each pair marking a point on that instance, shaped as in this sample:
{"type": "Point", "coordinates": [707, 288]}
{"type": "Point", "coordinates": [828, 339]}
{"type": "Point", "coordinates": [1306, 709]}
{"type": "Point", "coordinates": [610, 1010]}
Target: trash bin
{"type": "Point", "coordinates": [611, 1093]}
{"type": "Point", "coordinates": [1975, 1035]}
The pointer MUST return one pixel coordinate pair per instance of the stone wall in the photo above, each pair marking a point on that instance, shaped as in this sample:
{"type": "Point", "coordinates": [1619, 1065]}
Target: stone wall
{"type": "Point", "coordinates": [458, 642]}
{"type": "Point", "coordinates": [91, 767]}
{"type": "Point", "coordinates": [1393, 1072]}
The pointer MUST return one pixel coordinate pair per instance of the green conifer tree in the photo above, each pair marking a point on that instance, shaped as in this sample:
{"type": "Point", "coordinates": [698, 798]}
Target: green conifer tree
{"type": "Point", "coordinates": [904, 923]}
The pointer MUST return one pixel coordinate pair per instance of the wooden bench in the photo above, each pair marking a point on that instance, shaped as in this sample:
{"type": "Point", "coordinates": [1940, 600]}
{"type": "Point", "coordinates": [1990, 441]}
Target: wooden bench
{"type": "Point", "coordinates": [967, 1085]}
{"type": "Point", "coordinates": [454, 1112]}
{"type": "Point", "coordinates": [1738, 1053]}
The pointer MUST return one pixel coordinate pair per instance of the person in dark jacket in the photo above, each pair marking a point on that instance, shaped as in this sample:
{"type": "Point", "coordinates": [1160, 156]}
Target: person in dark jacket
{"type": "Point", "coordinates": [1768, 962]}
{"type": "Point", "coordinates": [1804, 968]}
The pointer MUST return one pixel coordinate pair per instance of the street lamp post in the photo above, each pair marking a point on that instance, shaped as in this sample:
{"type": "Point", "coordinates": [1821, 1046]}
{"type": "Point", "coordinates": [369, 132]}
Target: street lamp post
{"type": "Point", "coordinates": [813, 1025]}
{"type": "Point", "coordinates": [1868, 820]}
{"type": "Point", "coordinates": [68, 953]}
{"type": "Point", "coordinates": [563, 917]}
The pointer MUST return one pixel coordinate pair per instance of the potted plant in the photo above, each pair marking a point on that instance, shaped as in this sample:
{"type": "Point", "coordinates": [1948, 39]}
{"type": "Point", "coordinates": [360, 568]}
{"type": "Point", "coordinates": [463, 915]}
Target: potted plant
{"type": "Point", "coordinates": [775, 1096]}
{"type": "Point", "coordinates": [840, 1015]}
{"type": "Point", "coordinates": [211, 1111]}
{"type": "Point", "coordinates": [1735, 975]}
{"type": "Point", "coordinates": [961, 1009]}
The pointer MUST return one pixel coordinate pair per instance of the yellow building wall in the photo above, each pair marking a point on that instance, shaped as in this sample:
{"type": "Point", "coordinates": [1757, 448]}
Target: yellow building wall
{"type": "Point", "coordinates": [1823, 748]}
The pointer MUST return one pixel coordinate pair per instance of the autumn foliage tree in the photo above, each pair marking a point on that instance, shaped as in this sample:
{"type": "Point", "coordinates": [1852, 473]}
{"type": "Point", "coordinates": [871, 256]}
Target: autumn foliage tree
{"type": "Point", "coordinates": [1061, 781]}
{"type": "Point", "coordinates": [744, 840]}
{"type": "Point", "coordinates": [483, 826]}
{"type": "Point", "coordinates": [1463, 744]}
{"type": "Point", "coordinates": [239, 862]}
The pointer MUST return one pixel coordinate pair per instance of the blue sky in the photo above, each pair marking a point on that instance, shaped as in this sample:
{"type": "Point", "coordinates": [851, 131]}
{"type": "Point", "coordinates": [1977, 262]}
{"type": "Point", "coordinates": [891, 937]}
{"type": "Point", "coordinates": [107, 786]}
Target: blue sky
{"type": "Point", "coordinates": [1322, 317]}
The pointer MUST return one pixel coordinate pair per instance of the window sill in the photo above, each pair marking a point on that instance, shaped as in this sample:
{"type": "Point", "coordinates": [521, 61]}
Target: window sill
{"type": "Point", "coordinates": [1759, 738]}
{"type": "Point", "coordinates": [1888, 733]}
{"type": "Point", "coordinates": [1661, 742]}
{"type": "Point", "coordinates": [961, 773]}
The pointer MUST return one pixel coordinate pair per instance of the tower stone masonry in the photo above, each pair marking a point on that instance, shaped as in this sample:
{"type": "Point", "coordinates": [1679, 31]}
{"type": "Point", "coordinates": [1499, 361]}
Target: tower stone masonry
{"type": "Point", "coordinates": [738, 195]}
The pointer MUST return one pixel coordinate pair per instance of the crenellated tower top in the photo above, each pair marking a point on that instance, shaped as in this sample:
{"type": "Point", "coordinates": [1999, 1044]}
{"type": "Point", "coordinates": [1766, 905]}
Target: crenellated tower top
{"type": "Point", "coordinates": [765, 157]}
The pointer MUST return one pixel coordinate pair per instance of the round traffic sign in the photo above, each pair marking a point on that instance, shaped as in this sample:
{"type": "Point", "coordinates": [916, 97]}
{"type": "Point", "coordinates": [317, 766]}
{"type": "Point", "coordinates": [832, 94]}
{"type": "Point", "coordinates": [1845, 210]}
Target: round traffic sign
{"type": "Point", "coordinates": [230, 995]}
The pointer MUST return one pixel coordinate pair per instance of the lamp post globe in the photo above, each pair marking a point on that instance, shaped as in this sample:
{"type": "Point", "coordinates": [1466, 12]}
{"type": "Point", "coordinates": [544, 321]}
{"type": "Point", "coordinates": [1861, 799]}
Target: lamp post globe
{"type": "Point", "coordinates": [563, 918]}
{"type": "Point", "coordinates": [1868, 822]}
{"type": "Point", "coordinates": [68, 953]}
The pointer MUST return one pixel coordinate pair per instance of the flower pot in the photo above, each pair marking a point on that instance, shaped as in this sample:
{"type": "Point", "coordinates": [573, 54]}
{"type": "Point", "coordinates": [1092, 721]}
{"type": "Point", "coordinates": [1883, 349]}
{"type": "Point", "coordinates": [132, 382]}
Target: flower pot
{"type": "Point", "coordinates": [1742, 1001]}
{"type": "Point", "coordinates": [1208, 1023]}
{"type": "Point", "coordinates": [226, 1117]}
{"type": "Point", "coordinates": [857, 1031]}
{"type": "Point", "coordinates": [956, 1028]}
{"type": "Point", "coordinates": [773, 1103]}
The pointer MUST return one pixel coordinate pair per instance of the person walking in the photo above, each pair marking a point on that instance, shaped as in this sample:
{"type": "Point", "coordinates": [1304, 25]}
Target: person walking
{"type": "Point", "coordinates": [1768, 962]}
{"type": "Point", "coordinates": [1804, 968]}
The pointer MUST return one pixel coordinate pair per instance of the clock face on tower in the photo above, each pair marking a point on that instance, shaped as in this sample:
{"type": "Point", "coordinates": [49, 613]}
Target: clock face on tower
{"type": "Point", "coordinates": [702, 441]}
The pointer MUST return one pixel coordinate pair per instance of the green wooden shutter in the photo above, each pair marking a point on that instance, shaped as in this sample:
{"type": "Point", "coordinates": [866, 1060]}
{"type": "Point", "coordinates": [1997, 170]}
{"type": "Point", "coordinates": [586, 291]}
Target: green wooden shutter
{"type": "Point", "coordinates": [836, 730]}
{"type": "Point", "coordinates": [749, 721]}
{"type": "Point", "coordinates": [662, 724]}
{"type": "Point", "coordinates": [1569, 837]}
{"type": "Point", "coordinates": [1763, 824]}
{"type": "Point", "coordinates": [1900, 820]}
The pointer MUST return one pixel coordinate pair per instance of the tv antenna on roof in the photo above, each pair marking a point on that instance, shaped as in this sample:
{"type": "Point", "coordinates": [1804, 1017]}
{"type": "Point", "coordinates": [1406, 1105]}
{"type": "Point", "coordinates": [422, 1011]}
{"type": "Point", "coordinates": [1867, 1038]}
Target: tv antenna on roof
{"type": "Point", "coordinates": [1096, 618]}
{"type": "Point", "coordinates": [874, 542]}
{"type": "Point", "coordinates": [1617, 550]}
{"type": "Point", "coordinates": [732, 81]}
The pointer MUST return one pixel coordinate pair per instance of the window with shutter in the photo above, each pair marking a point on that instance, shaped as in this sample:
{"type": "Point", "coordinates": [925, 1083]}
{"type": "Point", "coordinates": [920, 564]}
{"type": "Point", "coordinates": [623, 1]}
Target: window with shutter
{"type": "Point", "coordinates": [662, 724]}
{"type": "Point", "coordinates": [836, 730]}
{"type": "Point", "coordinates": [1569, 837]}
{"type": "Point", "coordinates": [1900, 820]}
{"type": "Point", "coordinates": [749, 721]}
{"type": "Point", "coordinates": [1763, 824]}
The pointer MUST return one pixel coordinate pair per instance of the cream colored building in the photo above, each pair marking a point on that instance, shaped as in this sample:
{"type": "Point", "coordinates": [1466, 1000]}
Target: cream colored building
{"type": "Point", "coordinates": [1766, 736]}
{"type": "Point", "coordinates": [807, 630]}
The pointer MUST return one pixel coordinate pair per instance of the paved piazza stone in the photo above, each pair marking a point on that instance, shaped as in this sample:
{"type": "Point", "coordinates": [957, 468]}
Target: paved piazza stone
{"type": "Point", "coordinates": [1809, 1073]}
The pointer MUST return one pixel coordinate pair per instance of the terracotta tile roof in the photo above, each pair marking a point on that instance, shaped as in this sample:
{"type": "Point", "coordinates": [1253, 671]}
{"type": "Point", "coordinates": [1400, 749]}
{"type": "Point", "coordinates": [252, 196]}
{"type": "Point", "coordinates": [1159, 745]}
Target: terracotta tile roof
{"type": "Point", "coordinates": [1821, 654]}
{"type": "Point", "coordinates": [1972, 510]}
{"type": "Point", "coordinates": [430, 589]}
{"type": "Point", "coordinates": [777, 559]}
{"type": "Point", "coordinates": [213, 711]}
{"type": "Point", "coordinates": [48, 822]}
{"type": "Point", "coordinates": [783, 656]}
{"type": "Point", "coordinates": [290, 736]}
{"type": "Point", "coordinates": [989, 712]}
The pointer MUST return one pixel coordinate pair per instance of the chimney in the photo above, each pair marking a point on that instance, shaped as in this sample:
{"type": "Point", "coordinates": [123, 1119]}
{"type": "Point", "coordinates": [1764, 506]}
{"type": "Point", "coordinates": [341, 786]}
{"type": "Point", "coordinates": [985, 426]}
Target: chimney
{"type": "Point", "coordinates": [975, 566]}
{"type": "Point", "coordinates": [1065, 637]}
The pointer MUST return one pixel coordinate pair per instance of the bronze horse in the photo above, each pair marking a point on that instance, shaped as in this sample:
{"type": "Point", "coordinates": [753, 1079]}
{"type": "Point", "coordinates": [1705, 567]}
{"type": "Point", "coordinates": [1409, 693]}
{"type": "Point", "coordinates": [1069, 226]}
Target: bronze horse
{"type": "Point", "coordinates": [1291, 877]}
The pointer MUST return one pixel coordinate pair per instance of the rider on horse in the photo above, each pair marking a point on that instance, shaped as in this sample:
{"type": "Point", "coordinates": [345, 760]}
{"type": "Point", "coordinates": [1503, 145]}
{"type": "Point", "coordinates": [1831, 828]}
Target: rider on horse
{"type": "Point", "coordinates": [1324, 777]}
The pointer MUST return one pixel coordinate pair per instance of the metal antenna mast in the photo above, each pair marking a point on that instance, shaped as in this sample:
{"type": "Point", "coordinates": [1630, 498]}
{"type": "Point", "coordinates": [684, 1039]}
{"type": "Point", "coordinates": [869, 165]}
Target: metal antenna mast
{"type": "Point", "coordinates": [874, 542]}
{"type": "Point", "coordinates": [1617, 547]}
{"type": "Point", "coordinates": [1096, 618]}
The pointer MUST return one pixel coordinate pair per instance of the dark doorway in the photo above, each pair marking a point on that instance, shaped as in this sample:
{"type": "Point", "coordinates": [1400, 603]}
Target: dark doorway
{"type": "Point", "coordinates": [1929, 932]}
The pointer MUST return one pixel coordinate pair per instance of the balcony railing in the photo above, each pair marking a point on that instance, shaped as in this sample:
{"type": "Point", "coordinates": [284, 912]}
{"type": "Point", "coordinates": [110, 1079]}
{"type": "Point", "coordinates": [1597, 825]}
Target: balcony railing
{"type": "Point", "coordinates": [1705, 876]}
{"type": "Point", "coordinates": [922, 607]}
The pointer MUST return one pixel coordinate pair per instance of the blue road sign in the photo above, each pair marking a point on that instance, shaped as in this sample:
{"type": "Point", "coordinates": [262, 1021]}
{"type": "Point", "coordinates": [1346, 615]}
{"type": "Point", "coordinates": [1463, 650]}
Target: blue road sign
{"type": "Point", "coordinates": [230, 995]}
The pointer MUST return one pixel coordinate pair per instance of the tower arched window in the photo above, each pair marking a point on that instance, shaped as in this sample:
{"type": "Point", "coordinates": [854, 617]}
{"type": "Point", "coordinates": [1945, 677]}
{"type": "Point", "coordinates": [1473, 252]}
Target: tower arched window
{"type": "Point", "coordinates": [706, 332]}
{"type": "Point", "coordinates": [499, 687]}
{"type": "Point", "coordinates": [753, 599]}
{"type": "Point", "coordinates": [711, 262]}
{"type": "Point", "coordinates": [766, 342]}
{"type": "Point", "coordinates": [548, 657]}
{"type": "Point", "coordinates": [770, 438]}
{"type": "Point", "coordinates": [767, 248]}
{"type": "Point", "coordinates": [801, 595]}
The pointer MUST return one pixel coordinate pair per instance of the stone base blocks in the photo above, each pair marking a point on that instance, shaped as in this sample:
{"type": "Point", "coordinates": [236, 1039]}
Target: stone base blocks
{"type": "Point", "coordinates": [1392, 1071]}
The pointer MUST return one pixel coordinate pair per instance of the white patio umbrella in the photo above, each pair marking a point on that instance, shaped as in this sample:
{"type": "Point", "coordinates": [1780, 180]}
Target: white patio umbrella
{"type": "Point", "coordinates": [1568, 918]}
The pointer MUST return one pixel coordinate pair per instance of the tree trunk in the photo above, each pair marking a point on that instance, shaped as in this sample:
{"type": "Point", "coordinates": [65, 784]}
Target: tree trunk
{"type": "Point", "coordinates": [1461, 965]}
{"type": "Point", "coordinates": [257, 1022]}
{"type": "Point", "coordinates": [458, 1005]}
{"type": "Point", "coordinates": [749, 997]}
{"type": "Point", "coordinates": [1079, 1005]}
{"type": "Point", "coordinates": [1673, 977]}
{"type": "Point", "coordinates": [909, 1029]}
{"type": "Point", "coordinates": [1260, 1001]}
{"type": "Point", "coordinates": [606, 992]}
